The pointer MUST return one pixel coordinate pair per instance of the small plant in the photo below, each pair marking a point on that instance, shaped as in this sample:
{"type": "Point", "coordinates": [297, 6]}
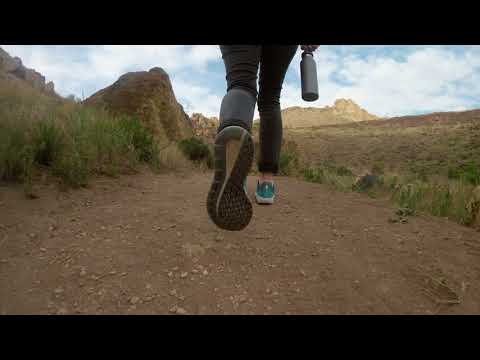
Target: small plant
{"type": "Point", "coordinates": [197, 151]}
{"type": "Point", "coordinates": [468, 173]}
{"type": "Point", "coordinates": [288, 163]}
{"type": "Point", "coordinates": [405, 211]}
{"type": "Point", "coordinates": [378, 168]}
{"type": "Point", "coordinates": [314, 175]}
{"type": "Point", "coordinates": [47, 141]}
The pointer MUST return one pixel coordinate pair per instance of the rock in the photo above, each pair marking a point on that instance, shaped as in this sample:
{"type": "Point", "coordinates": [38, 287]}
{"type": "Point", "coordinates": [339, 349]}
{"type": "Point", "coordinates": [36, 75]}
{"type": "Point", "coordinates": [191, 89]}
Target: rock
{"type": "Point", "coordinates": [62, 311]}
{"type": "Point", "coordinates": [50, 87]}
{"type": "Point", "coordinates": [183, 275]}
{"type": "Point", "coordinates": [344, 111]}
{"type": "Point", "coordinates": [204, 127]}
{"type": "Point", "coordinates": [193, 250]}
{"type": "Point", "coordinates": [13, 69]}
{"type": "Point", "coordinates": [58, 291]}
{"type": "Point", "coordinates": [181, 311]}
{"type": "Point", "coordinates": [149, 96]}
{"type": "Point", "coordinates": [134, 300]}
{"type": "Point", "coordinates": [366, 182]}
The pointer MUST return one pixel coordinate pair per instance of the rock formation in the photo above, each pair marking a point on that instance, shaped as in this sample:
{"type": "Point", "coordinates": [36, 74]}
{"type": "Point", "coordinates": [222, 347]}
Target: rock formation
{"type": "Point", "coordinates": [12, 68]}
{"type": "Point", "coordinates": [203, 126]}
{"type": "Point", "coordinates": [149, 96]}
{"type": "Point", "coordinates": [344, 111]}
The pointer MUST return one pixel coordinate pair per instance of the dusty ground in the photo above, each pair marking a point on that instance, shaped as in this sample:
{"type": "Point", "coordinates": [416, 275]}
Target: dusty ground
{"type": "Point", "coordinates": [143, 244]}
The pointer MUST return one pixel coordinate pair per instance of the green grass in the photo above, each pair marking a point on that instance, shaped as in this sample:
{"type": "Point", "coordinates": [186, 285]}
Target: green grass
{"type": "Point", "coordinates": [197, 151]}
{"type": "Point", "coordinates": [68, 140]}
{"type": "Point", "coordinates": [411, 193]}
{"type": "Point", "coordinates": [340, 178]}
{"type": "Point", "coordinates": [468, 173]}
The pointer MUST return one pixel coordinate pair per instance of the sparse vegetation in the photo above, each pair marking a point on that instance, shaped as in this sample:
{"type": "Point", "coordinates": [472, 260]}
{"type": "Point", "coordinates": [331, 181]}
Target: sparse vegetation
{"type": "Point", "coordinates": [339, 178]}
{"type": "Point", "coordinates": [449, 199]}
{"type": "Point", "coordinates": [289, 162]}
{"type": "Point", "coordinates": [197, 151]}
{"type": "Point", "coordinates": [70, 141]}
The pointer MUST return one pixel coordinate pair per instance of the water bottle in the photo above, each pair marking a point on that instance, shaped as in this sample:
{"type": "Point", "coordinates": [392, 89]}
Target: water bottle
{"type": "Point", "coordinates": [308, 70]}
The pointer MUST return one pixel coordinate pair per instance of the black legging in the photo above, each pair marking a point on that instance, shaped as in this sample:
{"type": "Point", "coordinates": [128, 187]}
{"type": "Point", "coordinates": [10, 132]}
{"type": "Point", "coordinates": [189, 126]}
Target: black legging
{"type": "Point", "coordinates": [238, 105]}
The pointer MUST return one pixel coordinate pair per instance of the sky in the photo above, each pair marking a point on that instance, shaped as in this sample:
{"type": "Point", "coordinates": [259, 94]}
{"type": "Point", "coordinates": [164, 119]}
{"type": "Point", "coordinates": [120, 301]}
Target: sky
{"type": "Point", "coordinates": [385, 80]}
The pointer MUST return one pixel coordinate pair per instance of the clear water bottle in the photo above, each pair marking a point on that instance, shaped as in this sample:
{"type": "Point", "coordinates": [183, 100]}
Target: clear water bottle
{"type": "Point", "coordinates": [308, 70]}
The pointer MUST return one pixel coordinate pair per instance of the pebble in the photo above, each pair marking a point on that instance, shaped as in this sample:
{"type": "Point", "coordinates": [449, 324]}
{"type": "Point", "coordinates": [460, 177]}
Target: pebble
{"type": "Point", "coordinates": [58, 290]}
{"type": "Point", "coordinates": [183, 275]}
{"type": "Point", "coordinates": [43, 249]}
{"type": "Point", "coordinates": [205, 272]}
{"type": "Point", "coordinates": [134, 300]}
{"type": "Point", "coordinates": [181, 311]}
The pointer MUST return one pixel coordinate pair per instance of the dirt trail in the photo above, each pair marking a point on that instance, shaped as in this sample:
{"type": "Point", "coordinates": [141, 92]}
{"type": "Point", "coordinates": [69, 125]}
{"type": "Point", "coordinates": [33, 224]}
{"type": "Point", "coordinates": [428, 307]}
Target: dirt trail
{"type": "Point", "coordinates": [143, 244]}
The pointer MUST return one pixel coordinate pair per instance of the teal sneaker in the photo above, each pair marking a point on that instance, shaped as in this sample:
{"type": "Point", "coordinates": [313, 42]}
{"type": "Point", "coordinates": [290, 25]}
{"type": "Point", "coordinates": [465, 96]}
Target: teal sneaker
{"type": "Point", "coordinates": [265, 193]}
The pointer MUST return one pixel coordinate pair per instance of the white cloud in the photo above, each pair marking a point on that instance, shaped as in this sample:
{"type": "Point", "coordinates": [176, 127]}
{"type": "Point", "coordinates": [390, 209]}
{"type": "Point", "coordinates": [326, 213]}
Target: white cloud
{"type": "Point", "coordinates": [428, 79]}
{"type": "Point", "coordinates": [196, 98]}
{"type": "Point", "coordinates": [385, 80]}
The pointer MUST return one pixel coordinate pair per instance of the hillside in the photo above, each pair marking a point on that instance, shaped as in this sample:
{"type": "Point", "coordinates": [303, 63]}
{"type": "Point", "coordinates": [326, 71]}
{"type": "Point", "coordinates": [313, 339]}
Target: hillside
{"type": "Point", "coordinates": [431, 144]}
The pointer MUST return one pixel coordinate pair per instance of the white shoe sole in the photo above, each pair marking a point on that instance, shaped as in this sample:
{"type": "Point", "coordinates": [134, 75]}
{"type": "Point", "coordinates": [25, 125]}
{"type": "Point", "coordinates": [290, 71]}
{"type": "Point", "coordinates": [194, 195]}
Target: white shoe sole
{"type": "Point", "coordinates": [262, 200]}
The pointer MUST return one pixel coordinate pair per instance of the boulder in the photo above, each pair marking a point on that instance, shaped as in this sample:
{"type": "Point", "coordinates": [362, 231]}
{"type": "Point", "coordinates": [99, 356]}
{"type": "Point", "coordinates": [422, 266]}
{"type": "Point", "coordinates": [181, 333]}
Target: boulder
{"type": "Point", "coordinates": [149, 96]}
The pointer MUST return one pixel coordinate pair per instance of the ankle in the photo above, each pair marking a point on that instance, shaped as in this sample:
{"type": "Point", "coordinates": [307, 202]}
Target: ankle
{"type": "Point", "coordinates": [266, 177]}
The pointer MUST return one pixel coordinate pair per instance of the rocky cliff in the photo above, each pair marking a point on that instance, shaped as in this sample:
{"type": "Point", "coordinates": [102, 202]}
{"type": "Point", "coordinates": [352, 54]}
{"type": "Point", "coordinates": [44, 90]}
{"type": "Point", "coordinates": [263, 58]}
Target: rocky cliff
{"type": "Point", "coordinates": [149, 96]}
{"type": "Point", "coordinates": [12, 68]}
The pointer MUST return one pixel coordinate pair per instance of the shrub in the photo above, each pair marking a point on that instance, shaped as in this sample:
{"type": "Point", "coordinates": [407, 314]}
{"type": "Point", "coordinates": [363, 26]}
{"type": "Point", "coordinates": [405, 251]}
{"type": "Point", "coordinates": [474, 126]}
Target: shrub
{"type": "Point", "coordinates": [197, 151]}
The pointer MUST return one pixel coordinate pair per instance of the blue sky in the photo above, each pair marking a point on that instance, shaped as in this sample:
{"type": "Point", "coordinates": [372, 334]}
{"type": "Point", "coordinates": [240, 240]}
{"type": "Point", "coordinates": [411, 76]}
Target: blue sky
{"type": "Point", "coordinates": [385, 80]}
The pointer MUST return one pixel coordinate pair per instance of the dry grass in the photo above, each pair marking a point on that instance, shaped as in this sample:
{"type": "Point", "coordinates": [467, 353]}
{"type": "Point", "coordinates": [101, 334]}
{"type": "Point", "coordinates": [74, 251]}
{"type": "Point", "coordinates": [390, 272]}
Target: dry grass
{"type": "Point", "coordinates": [72, 142]}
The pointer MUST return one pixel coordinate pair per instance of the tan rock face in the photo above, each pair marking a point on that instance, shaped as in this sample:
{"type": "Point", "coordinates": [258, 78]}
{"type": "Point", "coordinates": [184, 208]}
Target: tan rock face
{"type": "Point", "coordinates": [203, 126]}
{"type": "Point", "coordinates": [149, 96]}
{"type": "Point", "coordinates": [12, 68]}
{"type": "Point", "coordinates": [343, 112]}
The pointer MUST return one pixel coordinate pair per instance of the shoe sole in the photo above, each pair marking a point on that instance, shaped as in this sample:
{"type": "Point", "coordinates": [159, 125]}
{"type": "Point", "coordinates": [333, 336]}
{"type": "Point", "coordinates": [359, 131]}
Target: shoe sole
{"type": "Point", "coordinates": [228, 204]}
{"type": "Point", "coordinates": [264, 201]}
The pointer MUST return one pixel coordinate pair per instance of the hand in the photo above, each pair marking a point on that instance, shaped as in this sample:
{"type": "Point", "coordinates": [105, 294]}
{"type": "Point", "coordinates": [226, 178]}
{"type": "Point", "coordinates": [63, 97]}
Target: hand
{"type": "Point", "coordinates": [309, 48]}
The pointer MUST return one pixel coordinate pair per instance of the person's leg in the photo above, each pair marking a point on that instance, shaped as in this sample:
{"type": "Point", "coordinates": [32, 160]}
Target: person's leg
{"type": "Point", "coordinates": [241, 67]}
{"type": "Point", "coordinates": [275, 61]}
{"type": "Point", "coordinates": [228, 203]}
